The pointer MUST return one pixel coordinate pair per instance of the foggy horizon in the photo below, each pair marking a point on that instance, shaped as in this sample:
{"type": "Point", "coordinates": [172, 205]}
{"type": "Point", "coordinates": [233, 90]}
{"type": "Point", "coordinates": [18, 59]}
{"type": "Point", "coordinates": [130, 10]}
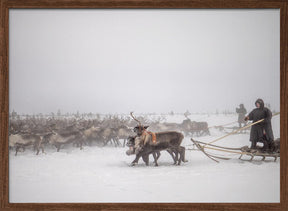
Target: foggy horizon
{"type": "Point", "coordinates": [65, 113]}
{"type": "Point", "coordinates": [146, 61]}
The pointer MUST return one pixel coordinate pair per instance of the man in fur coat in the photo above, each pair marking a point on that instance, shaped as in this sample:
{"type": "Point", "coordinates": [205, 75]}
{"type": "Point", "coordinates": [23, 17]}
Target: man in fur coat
{"type": "Point", "coordinates": [261, 132]}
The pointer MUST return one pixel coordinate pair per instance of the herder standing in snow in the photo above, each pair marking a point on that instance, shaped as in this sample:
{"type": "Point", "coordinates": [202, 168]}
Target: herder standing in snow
{"type": "Point", "coordinates": [261, 132]}
{"type": "Point", "coordinates": [241, 115]}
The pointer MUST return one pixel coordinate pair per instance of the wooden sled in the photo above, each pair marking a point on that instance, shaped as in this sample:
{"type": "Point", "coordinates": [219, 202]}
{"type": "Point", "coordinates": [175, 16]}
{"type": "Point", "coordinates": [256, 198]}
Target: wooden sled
{"type": "Point", "coordinates": [257, 152]}
{"type": "Point", "coordinates": [242, 151]}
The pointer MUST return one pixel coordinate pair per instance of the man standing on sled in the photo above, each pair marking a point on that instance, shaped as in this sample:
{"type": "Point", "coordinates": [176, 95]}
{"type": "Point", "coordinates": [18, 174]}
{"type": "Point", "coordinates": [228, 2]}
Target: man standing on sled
{"type": "Point", "coordinates": [261, 132]}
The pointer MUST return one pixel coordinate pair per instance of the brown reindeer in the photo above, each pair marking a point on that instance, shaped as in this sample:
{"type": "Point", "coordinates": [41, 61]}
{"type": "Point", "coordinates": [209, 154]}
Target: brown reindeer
{"type": "Point", "coordinates": [147, 142]}
{"type": "Point", "coordinates": [145, 157]}
{"type": "Point", "coordinates": [192, 127]}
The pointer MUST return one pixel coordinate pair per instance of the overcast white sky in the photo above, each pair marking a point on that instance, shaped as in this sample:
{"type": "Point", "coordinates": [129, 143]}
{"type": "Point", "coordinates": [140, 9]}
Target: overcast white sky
{"type": "Point", "coordinates": [108, 61]}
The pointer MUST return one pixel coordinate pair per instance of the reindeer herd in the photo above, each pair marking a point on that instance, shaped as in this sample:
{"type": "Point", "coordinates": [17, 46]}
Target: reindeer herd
{"type": "Point", "coordinates": [40, 133]}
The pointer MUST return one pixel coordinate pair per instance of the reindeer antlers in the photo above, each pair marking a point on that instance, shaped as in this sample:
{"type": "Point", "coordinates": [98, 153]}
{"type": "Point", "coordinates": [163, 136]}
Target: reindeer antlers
{"type": "Point", "coordinates": [131, 113]}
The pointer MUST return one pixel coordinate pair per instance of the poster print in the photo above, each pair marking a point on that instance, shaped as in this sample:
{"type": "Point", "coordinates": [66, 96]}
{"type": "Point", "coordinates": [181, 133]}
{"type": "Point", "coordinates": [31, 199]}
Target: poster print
{"type": "Point", "coordinates": [75, 76]}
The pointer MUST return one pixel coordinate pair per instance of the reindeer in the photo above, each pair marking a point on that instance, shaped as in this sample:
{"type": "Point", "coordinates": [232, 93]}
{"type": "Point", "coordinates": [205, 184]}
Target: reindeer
{"type": "Point", "coordinates": [193, 127]}
{"type": "Point", "coordinates": [92, 134]}
{"type": "Point", "coordinates": [147, 142]}
{"type": "Point", "coordinates": [131, 150]}
{"type": "Point", "coordinates": [70, 134]}
{"type": "Point", "coordinates": [123, 132]}
{"type": "Point", "coordinates": [22, 141]}
{"type": "Point", "coordinates": [109, 135]}
{"type": "Point", "coordinates": [200, 128]}
{"type": "Point", "coordinates": [145, 157]}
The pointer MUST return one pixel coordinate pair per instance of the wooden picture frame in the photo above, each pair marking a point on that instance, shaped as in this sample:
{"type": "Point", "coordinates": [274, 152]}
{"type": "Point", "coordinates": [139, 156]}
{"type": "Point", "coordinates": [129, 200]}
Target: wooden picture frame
{"type": "Point", "coordinates": [282, 5]}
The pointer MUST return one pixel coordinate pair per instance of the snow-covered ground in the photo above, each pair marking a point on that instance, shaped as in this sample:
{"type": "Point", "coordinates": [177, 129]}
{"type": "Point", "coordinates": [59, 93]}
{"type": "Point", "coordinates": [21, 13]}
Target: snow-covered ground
{"type": "Point", "coordinates": [97, 174]}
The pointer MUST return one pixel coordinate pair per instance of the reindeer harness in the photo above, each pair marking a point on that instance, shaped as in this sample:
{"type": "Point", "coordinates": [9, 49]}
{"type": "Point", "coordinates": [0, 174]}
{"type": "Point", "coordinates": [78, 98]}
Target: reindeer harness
{"type": "Point", "coordinates": [145, 133]}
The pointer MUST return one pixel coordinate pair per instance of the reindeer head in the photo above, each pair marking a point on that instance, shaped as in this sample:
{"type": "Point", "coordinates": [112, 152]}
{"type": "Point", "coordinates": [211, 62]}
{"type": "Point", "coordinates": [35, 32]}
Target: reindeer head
{"type": "Point", "coordinates": [131, 144]}
{"type": "Point", "coordinates": [139, 129]}
{"type": "Point", "coordinates": [130, 141]}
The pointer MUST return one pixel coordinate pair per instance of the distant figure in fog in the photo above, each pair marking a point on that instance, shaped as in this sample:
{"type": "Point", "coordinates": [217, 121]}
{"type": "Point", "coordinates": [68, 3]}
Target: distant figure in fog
{"type": "Point", "coordinates": [186, 114]}
{"type": "Point", "coordinates": [261, 132]}
{"type": "Point", "coordinates": [241, 115]}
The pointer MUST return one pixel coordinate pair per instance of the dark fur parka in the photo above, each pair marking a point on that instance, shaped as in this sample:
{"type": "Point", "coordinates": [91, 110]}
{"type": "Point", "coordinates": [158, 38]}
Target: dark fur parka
{"type": "Point", "coordinates": [259, 130]}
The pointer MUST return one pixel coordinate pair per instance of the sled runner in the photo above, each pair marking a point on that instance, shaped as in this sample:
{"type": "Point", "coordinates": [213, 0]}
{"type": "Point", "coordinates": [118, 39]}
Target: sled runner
{"type": "Point", "coordinates": [258, 152]}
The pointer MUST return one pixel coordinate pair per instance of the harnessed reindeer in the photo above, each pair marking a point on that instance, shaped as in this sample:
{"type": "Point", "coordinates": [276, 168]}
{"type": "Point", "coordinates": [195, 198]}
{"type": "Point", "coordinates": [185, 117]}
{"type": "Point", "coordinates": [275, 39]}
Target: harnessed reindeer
{"type": "Point", "coordinates": [147, 142]}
